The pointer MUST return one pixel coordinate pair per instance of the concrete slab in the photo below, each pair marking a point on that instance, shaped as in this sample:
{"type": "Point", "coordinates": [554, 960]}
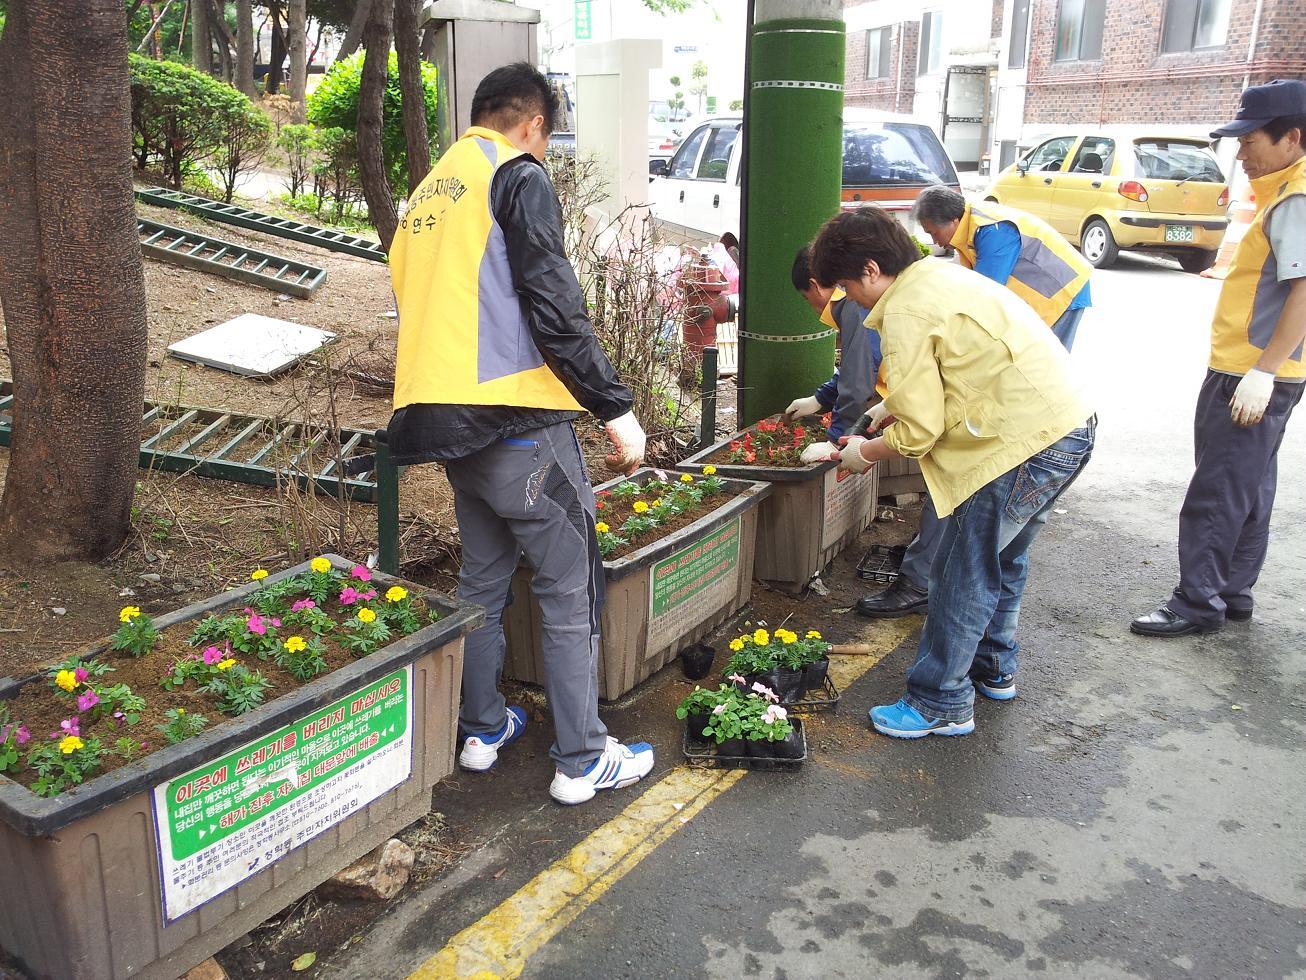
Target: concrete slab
{"type": "Point", "coordinates": [252, 345]}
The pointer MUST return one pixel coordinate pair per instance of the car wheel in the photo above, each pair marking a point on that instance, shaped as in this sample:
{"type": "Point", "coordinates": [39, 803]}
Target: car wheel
{"type": "Point", "coordinates": [991, 200]}
{"type": "Point", "coordinates": [1196, 259]}
{"type": "Point", "coordinates": [1098, 245]}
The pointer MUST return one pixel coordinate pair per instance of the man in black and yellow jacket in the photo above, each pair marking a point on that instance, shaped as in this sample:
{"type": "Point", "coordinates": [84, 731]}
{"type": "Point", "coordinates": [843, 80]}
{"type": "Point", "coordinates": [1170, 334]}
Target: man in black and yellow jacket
{"type": "Point", "coordinates": [496, 358]}
{"type": "Point", "coordinates": [1255, 377]}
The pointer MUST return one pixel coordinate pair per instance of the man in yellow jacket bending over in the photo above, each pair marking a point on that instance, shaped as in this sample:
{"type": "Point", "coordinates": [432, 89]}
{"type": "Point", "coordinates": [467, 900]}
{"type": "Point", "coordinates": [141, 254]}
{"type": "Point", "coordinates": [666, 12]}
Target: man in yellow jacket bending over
{"type": "Point", "coordinates": [983, 395]}
{"type": "Point", "coordinates": [496, 358]}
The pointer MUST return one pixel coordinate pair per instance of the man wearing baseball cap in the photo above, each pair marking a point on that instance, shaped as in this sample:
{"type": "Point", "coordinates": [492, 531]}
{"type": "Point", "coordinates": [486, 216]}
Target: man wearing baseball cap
{"type": "Point", "coordinates": [1255, 378]}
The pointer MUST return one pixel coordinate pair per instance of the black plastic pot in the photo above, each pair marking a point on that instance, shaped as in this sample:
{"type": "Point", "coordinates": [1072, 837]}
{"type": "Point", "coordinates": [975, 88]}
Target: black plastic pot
{"type": "Point", "coordinates": [694, 728]}
{"type": "Point", "coordinates": [814, 674]}
{"type": "Point", "coordinates": [790, 747]}
{"type": "Point", "coordinates": [696, 662]}
{"type": "Point", "coordinates": [735, 747]}
{"type": "Point", "coordinates": [787, 683]}
{"type": "Point", "coordinates": [761, 748]}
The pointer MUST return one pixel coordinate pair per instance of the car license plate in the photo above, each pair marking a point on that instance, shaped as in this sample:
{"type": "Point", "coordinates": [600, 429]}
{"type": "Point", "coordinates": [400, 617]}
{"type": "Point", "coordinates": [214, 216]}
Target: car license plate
{"type": "Point", "coordinates": [1178, 233]}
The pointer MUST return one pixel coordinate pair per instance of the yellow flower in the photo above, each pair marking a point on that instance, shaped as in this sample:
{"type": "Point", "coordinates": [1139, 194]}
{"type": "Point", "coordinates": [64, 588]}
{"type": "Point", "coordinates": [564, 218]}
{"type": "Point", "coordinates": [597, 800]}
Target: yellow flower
{"type": "Point", "coordinates": [226, 664]}
{"type": "Point", "coordinates": [295, 643]}
{"type": "Point", "coordinates": [396, 593]}
{"type": "Point", "coordinates": [128, 613]}
{"type": "Point", "coordinates": [640, 506]}
{"type": "Point", "coordinates": [259, 574]}
{"type": "Point", "coordinates": [70, 744]}
{"type": "Point", "coordinates": [736, 645]}
{"type": "Point", "coordinates": [686, 478]}
{"type": "Point", "coordinates": [788, 638]}
{"type": "Point", "coordinates": [180, 712]}
{"type": "Point", "coordinates": [601, 528]}
{"type": "Point", "coordinates": [658, 502]}
{"type": "Point", "coordinates": [813, 635]}
{"type": "Point", "coordinates": [709, 470]}
{"type": "Point", "coordinates": [66, 679]}
{"type": "Point", "coordinates": [320, 565]}
{"type": "Point", "coordinates": [760, 637]}
{"type": "Point", "coordinates": [366, 616]}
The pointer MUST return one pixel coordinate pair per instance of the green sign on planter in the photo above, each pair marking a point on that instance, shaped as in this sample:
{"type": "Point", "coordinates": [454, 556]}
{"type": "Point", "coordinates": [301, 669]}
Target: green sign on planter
{"type": "Point", "coordinates": [692, 583]}
{"type": "Point", "coordinates": [225, 821]}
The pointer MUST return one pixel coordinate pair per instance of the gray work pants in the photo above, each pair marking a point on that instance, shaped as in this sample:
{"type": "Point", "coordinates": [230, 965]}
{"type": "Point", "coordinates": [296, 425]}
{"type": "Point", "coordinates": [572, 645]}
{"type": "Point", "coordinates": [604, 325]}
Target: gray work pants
{"type": "Point", "coordinates": [1224, 525]}
{"type": "Point", "coordinates": [530, 494]}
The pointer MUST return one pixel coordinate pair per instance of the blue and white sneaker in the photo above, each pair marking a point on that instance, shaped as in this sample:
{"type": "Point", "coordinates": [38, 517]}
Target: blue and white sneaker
{"type": "Point", "coordinates": [618, 766]}
{"type": "Point", "coordinates": [901, 720]}
{"type": "Point", "coordinates": [997, 687]}
{"type": "Point", "coordinates": [480, 752]}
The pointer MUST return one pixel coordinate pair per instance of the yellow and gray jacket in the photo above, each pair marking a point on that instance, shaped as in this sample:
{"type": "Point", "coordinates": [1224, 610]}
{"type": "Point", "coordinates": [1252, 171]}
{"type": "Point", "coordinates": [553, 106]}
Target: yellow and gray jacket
{"type": "Point", "coordinates": [493, 334]}
{"type": "Point", "coordinates": [1253, 295]}
{"type": "Point", "coordinates": [1048, 274]}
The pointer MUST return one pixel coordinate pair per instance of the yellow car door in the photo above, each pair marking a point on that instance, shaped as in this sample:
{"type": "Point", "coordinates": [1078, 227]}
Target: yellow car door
{"type": "Point", "coordinates": [1087, 181]}
{"type": "Point", "coordinates": [1028, 183]}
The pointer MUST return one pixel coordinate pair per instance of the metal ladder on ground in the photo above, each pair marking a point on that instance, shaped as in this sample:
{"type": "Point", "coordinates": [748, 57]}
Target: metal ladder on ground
{"type": "Point", "coordinates": [232, 214]}
{"type": "Point", "coordinates": [198, 251]}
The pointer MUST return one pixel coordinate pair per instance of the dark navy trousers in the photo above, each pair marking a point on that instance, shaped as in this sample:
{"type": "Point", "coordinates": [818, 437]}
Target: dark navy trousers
{"type": "Point", "coordinates": [1224, 526]}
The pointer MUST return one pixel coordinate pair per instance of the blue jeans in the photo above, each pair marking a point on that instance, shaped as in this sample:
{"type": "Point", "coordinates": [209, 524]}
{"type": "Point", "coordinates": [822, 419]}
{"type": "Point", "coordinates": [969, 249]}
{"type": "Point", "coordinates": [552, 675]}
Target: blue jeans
{"type": "Point", "coordinates": [978, 577]}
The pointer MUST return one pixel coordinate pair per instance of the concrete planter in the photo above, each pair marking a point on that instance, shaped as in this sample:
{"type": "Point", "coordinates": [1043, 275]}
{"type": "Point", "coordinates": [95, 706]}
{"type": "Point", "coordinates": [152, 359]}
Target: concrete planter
{"type": "Point", "coordinates": [812, 514]}
{"type": "Point", "coordinates": [150, 869]}
{"type": "Point", "coordinates": [660, 599]}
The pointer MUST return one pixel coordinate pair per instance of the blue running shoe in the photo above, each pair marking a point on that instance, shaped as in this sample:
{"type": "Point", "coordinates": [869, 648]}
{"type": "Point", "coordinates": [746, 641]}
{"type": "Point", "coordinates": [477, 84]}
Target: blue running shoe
{"type": "Point", "coordinates": [901, 720]}
{"type": "Point", "coordinates": [997, 687]}
{"type": "Point", "coordinates": [618, 766]}
{"type": "Point", "coordinates": [480, 752]}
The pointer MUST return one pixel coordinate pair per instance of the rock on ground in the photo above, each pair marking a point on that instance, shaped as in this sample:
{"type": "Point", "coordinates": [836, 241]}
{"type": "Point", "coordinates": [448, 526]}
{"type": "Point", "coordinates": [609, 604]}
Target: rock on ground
{"type": "Point", "coordinates": [378, 876]}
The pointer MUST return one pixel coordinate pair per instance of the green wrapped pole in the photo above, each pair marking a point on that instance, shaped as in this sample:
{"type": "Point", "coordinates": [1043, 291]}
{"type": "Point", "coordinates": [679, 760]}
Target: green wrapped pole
{"type": "Point", "coordinates": [794, 171]}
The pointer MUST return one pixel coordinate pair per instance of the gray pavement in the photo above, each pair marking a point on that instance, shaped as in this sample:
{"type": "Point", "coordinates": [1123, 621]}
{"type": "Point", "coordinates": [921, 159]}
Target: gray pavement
{"type": "Point", "coordinates": [1137, 811]}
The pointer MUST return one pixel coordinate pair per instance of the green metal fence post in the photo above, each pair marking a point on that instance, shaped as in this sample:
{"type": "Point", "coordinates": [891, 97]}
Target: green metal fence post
{"type": "Point", "coordinates": [707, 423]}
{"type": "Point", "coordinates": [387, 508]}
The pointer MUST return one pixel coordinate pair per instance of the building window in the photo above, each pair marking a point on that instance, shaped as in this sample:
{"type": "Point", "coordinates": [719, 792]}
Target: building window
{"type": "Point", "coordinates": [1194, 24]}
{"type": "Point", "coordinates": [931, 57]}
{"type": "Point", "coordinates": [1019, 34]}
{"type": "Point", "coordinates": [1079, 30]}
{"type": "Point", "coordinates": [878, 49]}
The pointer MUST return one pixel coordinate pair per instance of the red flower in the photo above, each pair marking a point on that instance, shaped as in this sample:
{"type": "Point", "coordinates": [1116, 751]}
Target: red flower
{"type": "Point", "coordinates": [734, 445]}
{"type": "Point", "coordinates": [750, 457]}
{"type": "Point", "coordinates": [799, 433]}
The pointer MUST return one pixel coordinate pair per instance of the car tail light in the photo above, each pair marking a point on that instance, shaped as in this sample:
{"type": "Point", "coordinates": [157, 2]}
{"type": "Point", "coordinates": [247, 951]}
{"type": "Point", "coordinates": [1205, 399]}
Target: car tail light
{"type": "Point", "coordinates": [1223, 199]}
{"type": "Point", "coordinates": [1133, 190]}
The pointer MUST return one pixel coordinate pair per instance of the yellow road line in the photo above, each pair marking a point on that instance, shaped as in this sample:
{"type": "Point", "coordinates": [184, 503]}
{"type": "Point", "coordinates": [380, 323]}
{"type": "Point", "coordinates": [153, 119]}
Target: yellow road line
{"type": "Point", "coordinates": [501, 942]}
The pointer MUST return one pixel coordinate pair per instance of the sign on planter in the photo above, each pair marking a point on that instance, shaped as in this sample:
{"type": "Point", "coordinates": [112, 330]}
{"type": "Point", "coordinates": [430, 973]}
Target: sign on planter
{"type": "Point", "coordinates": [848, 499]}
{"type": "Point", "coordinates": [692, 584]}
{"type": "Point", "coordinates": [224, 822]}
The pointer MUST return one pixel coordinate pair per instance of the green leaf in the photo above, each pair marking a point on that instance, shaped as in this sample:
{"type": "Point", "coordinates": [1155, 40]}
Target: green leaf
{"type": "Point", "coordinates": [303, 962]}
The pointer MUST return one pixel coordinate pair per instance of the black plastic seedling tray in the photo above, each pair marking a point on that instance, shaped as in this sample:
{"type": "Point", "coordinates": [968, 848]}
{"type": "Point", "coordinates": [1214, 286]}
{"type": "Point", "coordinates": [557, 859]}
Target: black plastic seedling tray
{"type": "Point", "coordinates": [707, 757]}
{"type": "Point", "coordinates": [881, 563]}
{"type": "Point", "coordinates": [826, 699]}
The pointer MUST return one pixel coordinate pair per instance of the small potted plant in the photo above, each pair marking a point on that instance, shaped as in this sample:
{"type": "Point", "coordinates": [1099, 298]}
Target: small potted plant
{"type": "Point", "coordinates": [696, 711]}
{"type": "Point", "coordinates": [780, 660]}
{"type": "Point", "coordinates": [768, 732]}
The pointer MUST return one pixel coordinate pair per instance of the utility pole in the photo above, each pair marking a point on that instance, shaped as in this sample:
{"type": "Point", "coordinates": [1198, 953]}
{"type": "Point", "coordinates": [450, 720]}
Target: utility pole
{"type": "Point", "coordinates": [793, 171]}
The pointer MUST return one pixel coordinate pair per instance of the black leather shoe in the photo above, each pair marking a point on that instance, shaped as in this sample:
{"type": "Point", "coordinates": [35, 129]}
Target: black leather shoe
{"type": "Point", "coordinates": [902, 598]}
{"type": "Point", "coordinates": [1237, 615]}
{"type": "Point", "coordinates": [1165, 622]}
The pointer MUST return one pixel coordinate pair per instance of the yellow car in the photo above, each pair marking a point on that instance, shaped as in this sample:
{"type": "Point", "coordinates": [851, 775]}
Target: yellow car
{"type": "Point", "coordinates": [1106, 191]}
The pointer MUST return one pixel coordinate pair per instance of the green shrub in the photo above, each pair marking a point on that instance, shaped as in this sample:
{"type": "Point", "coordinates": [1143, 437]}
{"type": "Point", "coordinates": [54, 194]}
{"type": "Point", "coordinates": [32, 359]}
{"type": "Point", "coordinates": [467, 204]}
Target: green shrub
{"type": "Point", "coordinates": [179, 115]}
{"type": "Point", "coordinates": [242, 147]}
{"type": "Point", "coordinates": [299, 144]}
{"type": "Point", "coordinates": [334, 104]}
{"type": "Point", "coordinates": [335, 176]}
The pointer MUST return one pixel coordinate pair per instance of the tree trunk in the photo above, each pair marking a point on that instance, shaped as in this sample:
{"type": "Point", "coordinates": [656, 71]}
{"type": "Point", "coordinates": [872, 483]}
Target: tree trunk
{"type": "Point", "coordinates": [416, 136]}
{"type": "Point", "coordinates": [297, 42]}
{"type": "Point", "coordinates": [222, 35]}
{"type": "Point", "coordinates": [354, 35]}
{"type": "Point", "coordinates": [371, 93]}
{"type": "Point", "coordinates": [245, 48]}
{"type": "Point", "coordinates": [278, 50]}
{"type": "Point", "coordinates": [71, 280]}
{"type": "Point", "coordinates": [201, 44]}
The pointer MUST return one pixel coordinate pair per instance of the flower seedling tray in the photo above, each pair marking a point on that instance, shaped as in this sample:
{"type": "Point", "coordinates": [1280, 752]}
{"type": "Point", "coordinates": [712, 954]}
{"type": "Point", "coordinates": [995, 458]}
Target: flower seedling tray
{"type": "Point", "coordinates": [881, 563]}
{"type": "Point", "coordinates": [707, 757]}
{"type": "Point", "coordinates": [825, 699]}
{"type": "Point", "coordinates": [153, 867]}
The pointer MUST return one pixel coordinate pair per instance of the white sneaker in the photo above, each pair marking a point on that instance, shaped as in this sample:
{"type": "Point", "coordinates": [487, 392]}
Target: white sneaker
{"type": "Point", "coordinates": [618, 766]}
{"type": "Point", "coordinates": [480, 752]}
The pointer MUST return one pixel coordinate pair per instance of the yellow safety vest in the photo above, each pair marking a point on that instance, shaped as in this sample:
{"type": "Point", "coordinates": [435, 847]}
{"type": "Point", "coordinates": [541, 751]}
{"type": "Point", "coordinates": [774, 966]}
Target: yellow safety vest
{"type": "Point", "coordinates": [1049, 272]}
{"type": "Point", "coordinates": [1252, 298]}
{"type": "Point", "coordinates": [463, 334]}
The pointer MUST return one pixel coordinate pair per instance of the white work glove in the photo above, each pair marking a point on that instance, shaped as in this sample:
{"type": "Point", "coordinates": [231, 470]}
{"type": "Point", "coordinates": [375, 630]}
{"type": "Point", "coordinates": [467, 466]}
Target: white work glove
{"type": "Point", "coordinates": [850, 457]}
{"type": "Point", "coordinates": [878, 413]}
{"type": "Point", "coordinates": [627, 438]}
{"type": "Point", "coordinates": [819, 452]}
{"type": "Point", "coordinates": [1252, 397]}
{"type": "Point", "coordinates": [800, 408]}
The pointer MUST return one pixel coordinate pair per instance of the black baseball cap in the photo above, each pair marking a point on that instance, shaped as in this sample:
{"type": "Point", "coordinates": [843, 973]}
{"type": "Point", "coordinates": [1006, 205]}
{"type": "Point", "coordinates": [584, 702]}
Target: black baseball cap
{"type": "Point", "coordinates": [1261, 104]}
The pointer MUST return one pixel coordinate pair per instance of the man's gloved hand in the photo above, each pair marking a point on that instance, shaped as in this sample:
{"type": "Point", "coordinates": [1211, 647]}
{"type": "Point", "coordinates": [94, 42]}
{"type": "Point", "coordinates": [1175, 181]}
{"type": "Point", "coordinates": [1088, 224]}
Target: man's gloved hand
{"type": "Point", "coordinates": [800, 408]}
{"type": "Point", "coordinates": [878, 412]}
{"type": "Point", "coordinates": [850, 457]}
{"type": "Point", "coordinates": [819, 451]}
{"type": "Point", "coordinates": [627, 437]}
{"type": "Point", "coordinates": [1251, 397]}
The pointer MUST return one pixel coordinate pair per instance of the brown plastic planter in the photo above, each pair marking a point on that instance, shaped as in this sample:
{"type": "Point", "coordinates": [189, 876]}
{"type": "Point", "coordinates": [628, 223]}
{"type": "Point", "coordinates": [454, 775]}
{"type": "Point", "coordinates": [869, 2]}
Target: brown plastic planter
{"type": "Point", "coordinates": [655, 607]}
{"type": "Point", "coordinates": [812, 514]}
{"type": "Point", "coordinates": [84, 892]}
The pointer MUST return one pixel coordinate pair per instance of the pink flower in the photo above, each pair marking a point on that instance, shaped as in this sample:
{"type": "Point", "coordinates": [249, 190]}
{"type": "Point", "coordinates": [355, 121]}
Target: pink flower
{"type": "Point", "coordinates": [348, 596]}
{"type": "Point", "coordinates": [276, 623]}
{"type": "Point", "coordinates": [736, 678]}
{"type": "Point", "coordinates": [773, 714]}
{"type": "Point", "coordinates": [361, 573]}
{"type": "Point", "coordinates": [212, 655]}
{"type": "Point", "coordinates": [302, 604]}
{"type": "Point", "coordinates": [69, 726]}
{"type": "Point", "coordinates": [87, 701]}
{"type": "Point", "coordinates": [367, 596]}
{"type": "Point", "coordinates": [765, 691]}
{"type": "Point", "coordinates": [719, 709]}
{"type": "Point", "coordinates": [255, 624]}
{"type": "Point", "coordinates": [21, 735]}
{"type": "Point", "coordinates": [81, 675]}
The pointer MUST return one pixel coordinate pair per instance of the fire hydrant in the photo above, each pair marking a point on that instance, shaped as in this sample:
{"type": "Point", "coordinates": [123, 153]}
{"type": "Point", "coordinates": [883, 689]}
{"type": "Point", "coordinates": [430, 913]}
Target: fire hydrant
{"type": "Point", "coordinates": [706, 305]}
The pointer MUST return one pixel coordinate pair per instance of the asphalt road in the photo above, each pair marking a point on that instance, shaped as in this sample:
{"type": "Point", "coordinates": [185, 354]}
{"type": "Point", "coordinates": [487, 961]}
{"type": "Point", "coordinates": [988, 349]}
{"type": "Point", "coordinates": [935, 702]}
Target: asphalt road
{"type": "Point", "coordinates": [1138, 810]}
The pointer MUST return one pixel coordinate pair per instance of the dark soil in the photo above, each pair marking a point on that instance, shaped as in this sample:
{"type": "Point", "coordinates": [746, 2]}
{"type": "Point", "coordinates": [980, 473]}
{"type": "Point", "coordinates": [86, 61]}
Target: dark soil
{"type": "Point", "coordinates": [663, 530]}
